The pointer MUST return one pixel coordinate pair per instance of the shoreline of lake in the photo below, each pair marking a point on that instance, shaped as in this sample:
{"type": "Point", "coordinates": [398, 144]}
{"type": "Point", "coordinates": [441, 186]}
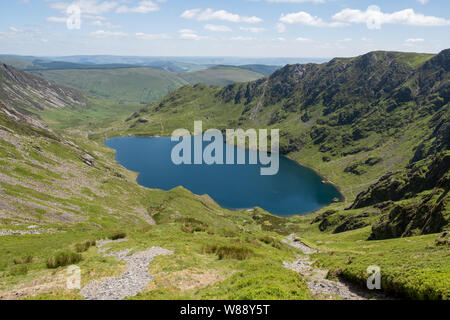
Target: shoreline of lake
{"type": "Point", "coordinates": [273, 195]}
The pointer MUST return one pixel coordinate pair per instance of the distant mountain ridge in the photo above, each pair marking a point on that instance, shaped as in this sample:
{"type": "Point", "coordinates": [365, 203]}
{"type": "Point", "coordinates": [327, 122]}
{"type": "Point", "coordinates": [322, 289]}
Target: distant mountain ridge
{"type": "Point", "coordinates": [141, 84]}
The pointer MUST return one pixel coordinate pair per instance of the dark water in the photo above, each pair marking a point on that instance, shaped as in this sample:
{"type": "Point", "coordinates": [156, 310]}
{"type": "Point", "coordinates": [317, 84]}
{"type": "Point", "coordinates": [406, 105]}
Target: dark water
{"type": "Point", "coordinates": [294, 190]}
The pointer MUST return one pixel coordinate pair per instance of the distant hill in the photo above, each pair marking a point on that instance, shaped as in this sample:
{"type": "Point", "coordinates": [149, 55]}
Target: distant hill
{"type": "Point", "coordinates": [122, 85]}
{"type": "Point", "coordinates": [261, 68]}
{"type": "Point", "coordinates": [221, 76]}
{"type": "Point", "coordinates": [144, 81]}
{"type": "Point", "coordinates": [142, 85]}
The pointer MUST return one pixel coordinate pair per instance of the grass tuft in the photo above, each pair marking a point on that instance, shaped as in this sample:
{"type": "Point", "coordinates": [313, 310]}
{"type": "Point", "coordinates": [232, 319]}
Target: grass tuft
{"type": "Point", "coordinates": [26, 260]}
{"type": "Point", "coordinates": [63, 259]}
{"type": "Point", "coordinates": [271, 241]}
{"type": "Point", "coordinates": [226, 253]}
{"type": "Point", "coordinates": [83, 247]}
{"type": "Point", "coordinates": [117, 236]}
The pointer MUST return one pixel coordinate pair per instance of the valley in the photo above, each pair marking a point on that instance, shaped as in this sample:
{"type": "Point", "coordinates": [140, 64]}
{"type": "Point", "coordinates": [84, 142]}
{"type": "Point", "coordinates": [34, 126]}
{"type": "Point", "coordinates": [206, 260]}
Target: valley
{"type": "Point", "coordinates": [377, 126]}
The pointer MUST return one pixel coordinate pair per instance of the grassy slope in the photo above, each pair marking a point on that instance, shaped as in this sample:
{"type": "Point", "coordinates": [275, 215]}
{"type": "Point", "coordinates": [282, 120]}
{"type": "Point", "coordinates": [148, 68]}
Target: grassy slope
{"type": "Point", "coordinates": [44, 182]}
{"type": "Point", "coordinates": [121, 85]}
{"type": "Point", "coordinates": [142, 85]}
{"type": "Point", "coordinates": [220, 76]}
{"type": "Point", "coordinates": [413, 267]}
{"type": "Point", "coordinates": [98, 115]}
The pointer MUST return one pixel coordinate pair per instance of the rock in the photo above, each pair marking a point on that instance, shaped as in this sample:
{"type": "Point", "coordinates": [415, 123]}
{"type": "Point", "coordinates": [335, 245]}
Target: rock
{"type": "Point", "coordinates": [352, 223]}
{"type": "Point", "coordinates": [88, 159]}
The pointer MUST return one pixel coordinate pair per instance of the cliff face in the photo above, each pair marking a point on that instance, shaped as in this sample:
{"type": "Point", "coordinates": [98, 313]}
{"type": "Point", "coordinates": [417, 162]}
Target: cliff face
{"type": "Point", "coordinates": [28, 94]}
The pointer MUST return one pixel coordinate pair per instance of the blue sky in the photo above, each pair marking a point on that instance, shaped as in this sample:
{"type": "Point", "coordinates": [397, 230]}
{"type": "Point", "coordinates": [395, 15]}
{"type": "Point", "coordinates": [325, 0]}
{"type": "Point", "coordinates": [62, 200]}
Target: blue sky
{"type": "Point", "coordinates": [246, 28]}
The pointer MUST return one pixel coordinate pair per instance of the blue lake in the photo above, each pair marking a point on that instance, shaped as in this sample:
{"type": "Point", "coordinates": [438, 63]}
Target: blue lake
{"type": "Point", "coordinates": [294, 190]}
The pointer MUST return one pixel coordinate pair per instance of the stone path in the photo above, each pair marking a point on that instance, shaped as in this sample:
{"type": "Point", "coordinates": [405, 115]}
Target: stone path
{"type": "Point", "coordinates": [134, 280]}
{"type": "Point", "coordinates": [319, 286]}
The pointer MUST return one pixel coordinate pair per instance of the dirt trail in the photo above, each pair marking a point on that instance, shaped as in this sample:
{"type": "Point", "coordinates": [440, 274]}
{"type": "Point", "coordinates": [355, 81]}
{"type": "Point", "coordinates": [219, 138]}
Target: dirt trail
{"type": "Point", "coordinates": [134, 280]}
{"type": "Point", "coordinates": [319, 286]}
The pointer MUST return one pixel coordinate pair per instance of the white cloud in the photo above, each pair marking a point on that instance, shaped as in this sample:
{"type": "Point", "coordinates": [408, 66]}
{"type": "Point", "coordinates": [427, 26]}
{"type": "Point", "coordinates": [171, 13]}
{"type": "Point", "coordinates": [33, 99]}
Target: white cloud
{"type": "Point", "coordinates": [415, 40]}
{"type": "Point", "coordinates": [105, 34]}
{"type": "Point", "coordinates": [301, 39]}
{"type": "Point", "coordinates": [138, 35]}
{"type": "Point", "coordinates": [374, 18]}
{"type": "Point", "coordinates": [280, 28]}
{"type": "Point", "coordinates": [142, 7]}
{"type": "Point", "coordinates": [56, 19]}
{"type": "Point", "coordinates": [422, 1]}
{"type": "Point", "coordinates": [217, 28]}
{"type": "Point", "coordinates": [209, 14]}
{"type": "Point", "coordinates": [188, 34]}
{"type": "Point", "coordinates": [149, 36]}
{"type": "Point", "coordinates": [187, 31]}
{"type": "Point", "coordinates": [252, 29]}
{"type": "Point", "coordinates": [90, 9]}
{"type": "Point", "coordinates": [190, 14]}
{"type": "Point", "coordinates": [306, 19]}
{"type": "Point", "coordinates": [105, 24]}
{"type": "Point", "coordinates": [240, 38]}
{"type": "Point", "coordinates": [86, 6]}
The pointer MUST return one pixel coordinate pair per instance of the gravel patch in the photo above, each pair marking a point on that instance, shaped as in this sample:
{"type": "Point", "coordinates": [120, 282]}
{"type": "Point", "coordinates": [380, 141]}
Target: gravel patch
{"type": "Point", "coordinates": [319, 286]}
{"type": "Point", "coordinates": [9, 232]}
{"type": "Point", "coordinates": [293, 242]}
{"type": "Point", "coordinates": [134, 280]}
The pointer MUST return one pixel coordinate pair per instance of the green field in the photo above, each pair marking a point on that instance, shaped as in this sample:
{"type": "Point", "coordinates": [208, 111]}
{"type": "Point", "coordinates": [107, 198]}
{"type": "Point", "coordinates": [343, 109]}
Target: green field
{"type": "Point", "coordinates": [134, 85]}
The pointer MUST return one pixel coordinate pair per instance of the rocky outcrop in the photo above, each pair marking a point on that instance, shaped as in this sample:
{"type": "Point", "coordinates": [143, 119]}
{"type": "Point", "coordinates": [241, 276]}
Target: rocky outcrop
{"type": "Point", "coordinates": [431, 215]}
{"type": "Point", "coordinates": [19, 89]}
{"type": "Point", "coordinates": [407, 183]}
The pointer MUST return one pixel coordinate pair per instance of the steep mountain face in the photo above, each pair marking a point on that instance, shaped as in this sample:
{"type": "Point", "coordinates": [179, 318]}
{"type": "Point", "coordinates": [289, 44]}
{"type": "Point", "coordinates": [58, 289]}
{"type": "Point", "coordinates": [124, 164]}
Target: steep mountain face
{"type": "Point", "coordinates": [377, 124]}
{"type": "Point", "coordinates": [50, 180]}
{"type": "Point", "coordinates": [28, 94]}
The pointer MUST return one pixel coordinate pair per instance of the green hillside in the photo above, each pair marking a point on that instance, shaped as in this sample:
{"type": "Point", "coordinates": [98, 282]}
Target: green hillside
{"type": "Point", "coordinates": [30, 94]}
{"type": "Point", "coordinates": [376, 125]}
{"type": "Point", "coordinates": [141, 85]}
{"type": "Point", "coordinates": [261, 68]}
{"type": "Point", "coordinates": [221, 76]}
